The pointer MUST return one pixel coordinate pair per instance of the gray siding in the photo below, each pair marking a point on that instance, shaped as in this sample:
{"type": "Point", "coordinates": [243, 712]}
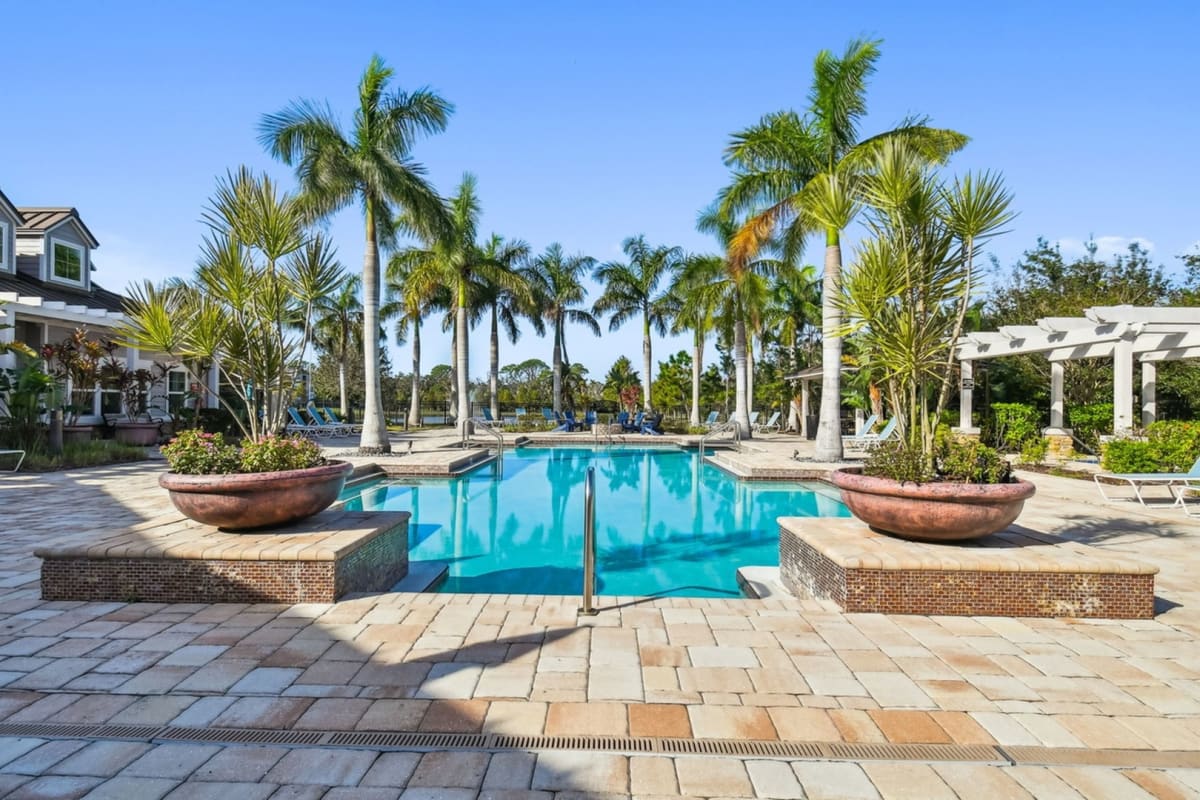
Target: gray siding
{"type": "Point", "coordinates": [30, 266]}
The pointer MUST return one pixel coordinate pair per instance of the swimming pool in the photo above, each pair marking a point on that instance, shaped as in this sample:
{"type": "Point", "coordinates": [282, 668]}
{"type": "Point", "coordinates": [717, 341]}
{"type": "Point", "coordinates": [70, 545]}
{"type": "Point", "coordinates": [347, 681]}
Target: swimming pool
{"type": "Point", "coordinates": [666, 522]}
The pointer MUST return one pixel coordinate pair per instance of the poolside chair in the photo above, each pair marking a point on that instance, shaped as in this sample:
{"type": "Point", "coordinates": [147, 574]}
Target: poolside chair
{"type": "Point", "coordinates": [300, 426]}
{"type": "Point", "coordinates": [321, 422]}
{"type": "Point", "coordinates": [753, 420]}
{"type": "Point", "coordinates": [487, 416]}
{"type": "Point", "coordinates": [712, 419]}
{"type": "Point", "coordinates": [572, 423]}
{"type": "Point", "coordinates": [636, 425]}
{"type": "Point", "coordinates": [590, 419]}
{"type": "Point", "coordinates": [861, 441]}
{"type": "Point", "coordinates": [1178, 484]}
{"type": "Point", "coordinates": [336, 420]}
{"type": "Point", "coordinates": [770, 426]}
{"type": "Point", "coordinates": [20, 454]}
{"type": "Point", "coordinates": [650, 425]}
{"type": "Point", "coordinates": [623, 419]}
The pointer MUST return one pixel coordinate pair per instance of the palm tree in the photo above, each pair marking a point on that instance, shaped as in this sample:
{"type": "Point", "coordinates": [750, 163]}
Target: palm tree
{"type": "Point", "coordinates": [694, 312]}
{"type": "Point", "coordinates": [792, 315]}
{"type": "Point", "coordinates": [372, 165]}
{"type": "Point", "coordinates": [735, 289]}
{"type": "Point", "coordinates": [555, 282]}
{"type": "Point", "coordinates": [797, 175]}
{"type": "Point", "coordinates": [454, 260]}
{"type": "Point", "coordinates": [410, 299]}
{"type": "Point", "coordinates": [632, 289]}
{"type": "Point", "coordinates": [505, 304]}
{"type": "Point", "coordinates": [340, 327]}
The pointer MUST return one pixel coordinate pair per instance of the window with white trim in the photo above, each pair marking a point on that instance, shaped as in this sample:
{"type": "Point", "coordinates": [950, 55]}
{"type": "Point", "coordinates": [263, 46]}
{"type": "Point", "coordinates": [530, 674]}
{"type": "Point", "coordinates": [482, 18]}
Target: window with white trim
{"type": "Point", "coordinates": [177, 389]}
{"type": "Point", "coordinates": [66, 262]}
{"type": "Point", "coordinates": [5, 256]}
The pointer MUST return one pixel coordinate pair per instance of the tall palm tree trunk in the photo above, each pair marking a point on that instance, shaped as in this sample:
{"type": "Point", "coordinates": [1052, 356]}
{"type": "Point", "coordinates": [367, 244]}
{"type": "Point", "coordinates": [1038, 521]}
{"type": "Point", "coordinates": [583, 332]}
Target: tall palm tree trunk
{"type": "Point", "coordinates": [741, 413]}
{"type": "Point", "coordinates": [342, 410]}
{"type": "Point", "coordinates": [749, 371]}
{"type": "Point", "coordinates": [697, 371]}
{"type": "Point", "coordinates": [829, 429]}
{"type": "Point", "coordinates": [453, 404]}
{"type": "Point", "coordinates": [558, 366]}
{"type": "Point", "coordinates": [494, 366]}
{"type": "Point", "coordinates": [464, 398]}
{"type": "Point", "coordinates": [374, 436]}
{"type": "Point", "coordinates": [414, 402]}
{"type": "Point", "coordinates": [647, 363]}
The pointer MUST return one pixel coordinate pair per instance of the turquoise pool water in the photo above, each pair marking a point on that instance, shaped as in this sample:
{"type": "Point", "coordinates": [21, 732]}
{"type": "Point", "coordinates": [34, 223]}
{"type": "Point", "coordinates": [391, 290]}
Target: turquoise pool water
{"type": "Point", "coordinates": [666, 523]}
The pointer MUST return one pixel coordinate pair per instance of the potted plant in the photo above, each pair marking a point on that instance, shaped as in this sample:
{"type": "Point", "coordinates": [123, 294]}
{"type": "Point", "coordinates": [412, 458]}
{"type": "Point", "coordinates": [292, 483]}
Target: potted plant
{"type": "Point", "coordinates": [905, 300]}
{"type": "Point", "coordinates": [136, 428]}
{"type": "Point", "coordinates": [248, 314]}
{"type": "Point", "coordinates": [75, 364]}
{"type": "Point", "coordinates": [268, 482]}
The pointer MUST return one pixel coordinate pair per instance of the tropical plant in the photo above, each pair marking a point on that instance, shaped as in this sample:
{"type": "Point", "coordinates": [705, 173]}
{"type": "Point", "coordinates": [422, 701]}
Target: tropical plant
{"type": "Point", "coordinates": [253, 291]}
{"type": "Point", "coordinates": [410, 297]}
{"type": "Point", "coordinates": [23, 391]}
{"type": "Point", "coordinates": [75, 364]}
{"type": "Point", "coordinates": [905, 297]}
{"type": "Point", "coordinates": [372, 165]}
{"type": "Point", "coordinates": [694, 312]}
{"type": "Point", "coordinates": [506, 302]}
{"type": "Point", "coordinates": [797, 175]}
{"type": "Point", "coordinates": [555, 283]}
{"type": "Point", "coordinates": [621, 375]}
{"type": "Point", "coordinates": [632, 290]}
{"type": "Point", "coordinates": [339, 328]}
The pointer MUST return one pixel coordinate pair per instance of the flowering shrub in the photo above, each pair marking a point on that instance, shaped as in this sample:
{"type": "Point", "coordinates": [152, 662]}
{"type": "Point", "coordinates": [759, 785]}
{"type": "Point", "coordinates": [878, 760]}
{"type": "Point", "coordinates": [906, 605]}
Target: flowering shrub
{"type": "Point", "coordinates": [278, 453]}
{"type": "Point", "coordinates": [194, 452]}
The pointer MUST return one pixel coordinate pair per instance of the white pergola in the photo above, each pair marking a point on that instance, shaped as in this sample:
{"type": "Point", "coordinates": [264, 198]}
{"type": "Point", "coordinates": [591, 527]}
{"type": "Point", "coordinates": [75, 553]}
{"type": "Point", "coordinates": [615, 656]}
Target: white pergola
{"type": "Point", "coordinates": [806, 377]}
{"type": "Point", "coordinates": [1122, 333]}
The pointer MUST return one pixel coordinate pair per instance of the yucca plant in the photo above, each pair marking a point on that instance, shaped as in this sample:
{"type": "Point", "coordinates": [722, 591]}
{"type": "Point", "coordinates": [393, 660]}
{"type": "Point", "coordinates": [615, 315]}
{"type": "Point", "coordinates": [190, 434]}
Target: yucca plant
{"type": "Point", "coordinates": [247, 310]}
{"type": "Point", "coordinates": [905, 297]}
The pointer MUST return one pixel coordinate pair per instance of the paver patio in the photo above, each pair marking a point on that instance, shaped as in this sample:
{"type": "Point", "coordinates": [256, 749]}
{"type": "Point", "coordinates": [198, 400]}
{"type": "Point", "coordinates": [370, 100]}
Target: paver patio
{"type": "Point", "coordinates": [778, 669]}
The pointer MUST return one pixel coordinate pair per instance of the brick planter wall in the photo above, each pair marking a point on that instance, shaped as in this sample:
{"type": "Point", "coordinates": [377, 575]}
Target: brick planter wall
{"type": "Point", "coordinates": [862, 571]}
{"type": "Point", "coordinates": [317, 561]}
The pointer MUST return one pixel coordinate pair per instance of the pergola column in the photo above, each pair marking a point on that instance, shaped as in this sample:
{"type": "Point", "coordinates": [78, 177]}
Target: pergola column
{"type": "Point", "coordinates": [8, 335]}
{"type": "Point", "coordinates": [214, 385]}
{"type": "Point", "coordinates": [804, 400]}
{"type": "Point", "coordinates": [1149, 391]}
{"type": "Point", "coordinates": [1123, 385]}
{"type": "Point", "coordinates": [966, 397]}
{"type": "Point", "coordinates": [1057, 370]}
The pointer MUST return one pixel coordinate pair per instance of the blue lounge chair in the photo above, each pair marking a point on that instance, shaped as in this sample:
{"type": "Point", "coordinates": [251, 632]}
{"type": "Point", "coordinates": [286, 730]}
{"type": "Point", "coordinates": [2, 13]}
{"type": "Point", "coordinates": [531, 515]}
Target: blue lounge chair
{"type": "Point", "coordinates": [336, 420]}
{"type": "Point", "coordinates": [753, 419]}
{"type": "Point", "coordinates": [300, 426]}
{"type": "Point", "coordinates": [321, 422]}
{"type": "Point", "coordinates": [770, 426]}
{"type": "Point", "coordinates": [712, 419]}
{"type": "Point", "coordinates": [572, 423]}
{"type": "Point", "coordinates": [865, 437]}
{"type": "Point", "coordinates": [590, 419]}
{"type": "Point", "coordinates": [650, 423]}
{"type": "Point", "coordinates": [636, 425]}
{"type": "Point", "coordinates": [623, 419]}
{"type": "Point", "coordinates": [1177, 483]}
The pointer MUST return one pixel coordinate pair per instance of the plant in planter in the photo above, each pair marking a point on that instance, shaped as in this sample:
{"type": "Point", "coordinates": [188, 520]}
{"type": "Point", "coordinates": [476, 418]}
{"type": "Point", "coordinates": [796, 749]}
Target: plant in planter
{"type": "Point", "coordinates": [75, 364]}
{"type": "Point", "coordinates": [248, 314]}
{"type": "Point", "coordinates": [137, 428]}
{"type": "Point", "coordinates": [905, 300]}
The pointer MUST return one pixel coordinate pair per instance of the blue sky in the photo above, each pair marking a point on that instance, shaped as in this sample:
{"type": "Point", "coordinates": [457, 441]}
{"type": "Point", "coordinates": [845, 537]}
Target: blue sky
{"type": "Point", "coordinates": [587, 123]}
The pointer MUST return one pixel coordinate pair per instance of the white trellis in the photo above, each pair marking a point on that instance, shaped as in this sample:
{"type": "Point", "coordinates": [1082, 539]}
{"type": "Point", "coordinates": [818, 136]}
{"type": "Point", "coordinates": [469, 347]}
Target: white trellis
{"type": "Point", "coordinates": [1122, 333]}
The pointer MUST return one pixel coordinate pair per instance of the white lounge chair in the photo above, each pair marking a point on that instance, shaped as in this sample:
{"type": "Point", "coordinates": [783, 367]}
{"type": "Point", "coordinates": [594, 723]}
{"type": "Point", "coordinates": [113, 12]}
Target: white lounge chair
{"type": "Point", "coordinates": [711, 422]}
{"type": "Point", "coordinates": [298, 425]}
{"type": "Point", "coordinates": [1178, 484]}
{"type": "Point", "coordinates": [863, 431]}
{"type": "Point", "coordinates": [770, 426]}
{"type": "Point", "coordinates": [20, 454]}
{"type": "Point", "coordinates": [861, 441]}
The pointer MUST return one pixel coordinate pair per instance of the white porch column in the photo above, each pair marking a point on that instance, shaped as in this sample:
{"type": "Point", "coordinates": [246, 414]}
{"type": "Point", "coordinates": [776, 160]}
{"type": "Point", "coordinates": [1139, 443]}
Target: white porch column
{"type": "Point", "coordinates": [804, 401]}
{"type": "Point", "coordinates": [7, 336]}
{"type": "Point", "coordinates": [1123, 386]}
{"type": "Point", "coordinates": [1149, 392]}
{"type": "Point", "coordinates": [966, 398]}
{"type": "Point", "coordinates": [1056, 394]}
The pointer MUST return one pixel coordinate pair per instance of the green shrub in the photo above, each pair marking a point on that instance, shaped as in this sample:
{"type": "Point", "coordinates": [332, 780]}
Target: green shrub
{"type": "Point", "coordinates": [1090, 422]}
{"type": "Point", "coordinates": [896, 460]}
{"type": "Point", "coordinates": [1034, 451]}
{"type": "Point", "coordinates": [971, 461]}
{"type": "Point", "coordinates": [279, 453]}
{"type": "Point", "coordinates": [194, 452]}
{"type": "Point", "coordinates": [84, 454]}
{"type": "Point", "coordinates": [1012, 425]}
{"type": "Point", "coordinates": [1169, 446]}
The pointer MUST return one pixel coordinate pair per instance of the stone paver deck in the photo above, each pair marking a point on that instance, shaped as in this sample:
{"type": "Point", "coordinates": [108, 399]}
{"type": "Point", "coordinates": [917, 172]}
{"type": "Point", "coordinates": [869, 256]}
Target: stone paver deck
{"type": "Point", "coordinates": [777, 669]}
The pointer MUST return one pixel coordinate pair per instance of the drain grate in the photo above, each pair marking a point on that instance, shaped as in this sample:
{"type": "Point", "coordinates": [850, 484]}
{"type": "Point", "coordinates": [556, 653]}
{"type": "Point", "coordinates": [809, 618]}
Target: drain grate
{"type": "Point", "coordinates": [830, 751]}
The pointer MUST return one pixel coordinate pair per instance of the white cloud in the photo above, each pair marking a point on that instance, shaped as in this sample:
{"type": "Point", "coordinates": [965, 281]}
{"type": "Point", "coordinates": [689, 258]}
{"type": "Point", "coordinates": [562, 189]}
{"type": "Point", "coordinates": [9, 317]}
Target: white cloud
{"type": "Point", "coordinates": [1106, 246]}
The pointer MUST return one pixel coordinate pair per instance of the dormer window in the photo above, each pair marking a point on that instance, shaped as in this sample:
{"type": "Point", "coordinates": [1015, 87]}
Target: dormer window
{"type": "Point", "coordinates": [67, 262]}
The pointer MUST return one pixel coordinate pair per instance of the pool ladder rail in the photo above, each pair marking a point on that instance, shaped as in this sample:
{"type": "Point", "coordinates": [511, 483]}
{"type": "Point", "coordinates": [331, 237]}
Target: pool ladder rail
{"type": "Point", "coordinates": [489, 427]}
{"type": "Point", "coordinates": [728, 426]}
{"type": "Point", "coordinates": [589, 543]}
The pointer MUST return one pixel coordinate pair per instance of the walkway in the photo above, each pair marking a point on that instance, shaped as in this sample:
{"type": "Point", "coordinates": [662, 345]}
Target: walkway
{"type": "Point", "coordinates": [668, 671]}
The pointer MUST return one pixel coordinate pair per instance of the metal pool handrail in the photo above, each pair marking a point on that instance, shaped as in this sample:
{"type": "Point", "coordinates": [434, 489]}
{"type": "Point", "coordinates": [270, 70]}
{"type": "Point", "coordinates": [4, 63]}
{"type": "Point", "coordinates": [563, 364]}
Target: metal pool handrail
{"type": "Point", "coordinates": [727, 426]}
{"type": "Point", "coordinates": [486, 427]}
{"type": "Point", "coordinates": [589, 542]}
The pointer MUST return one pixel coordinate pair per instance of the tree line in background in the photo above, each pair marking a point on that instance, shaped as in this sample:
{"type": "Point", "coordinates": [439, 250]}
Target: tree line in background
{"type": "Point", "coordinates": [793, 176]}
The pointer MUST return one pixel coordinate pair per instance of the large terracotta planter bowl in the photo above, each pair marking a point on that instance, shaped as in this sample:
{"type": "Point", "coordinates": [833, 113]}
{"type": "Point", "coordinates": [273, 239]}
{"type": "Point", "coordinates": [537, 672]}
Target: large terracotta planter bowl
{"type": "Point", "coordinates": [256, 499]}
{"type": "Point", "coordinates": [937, 512]}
